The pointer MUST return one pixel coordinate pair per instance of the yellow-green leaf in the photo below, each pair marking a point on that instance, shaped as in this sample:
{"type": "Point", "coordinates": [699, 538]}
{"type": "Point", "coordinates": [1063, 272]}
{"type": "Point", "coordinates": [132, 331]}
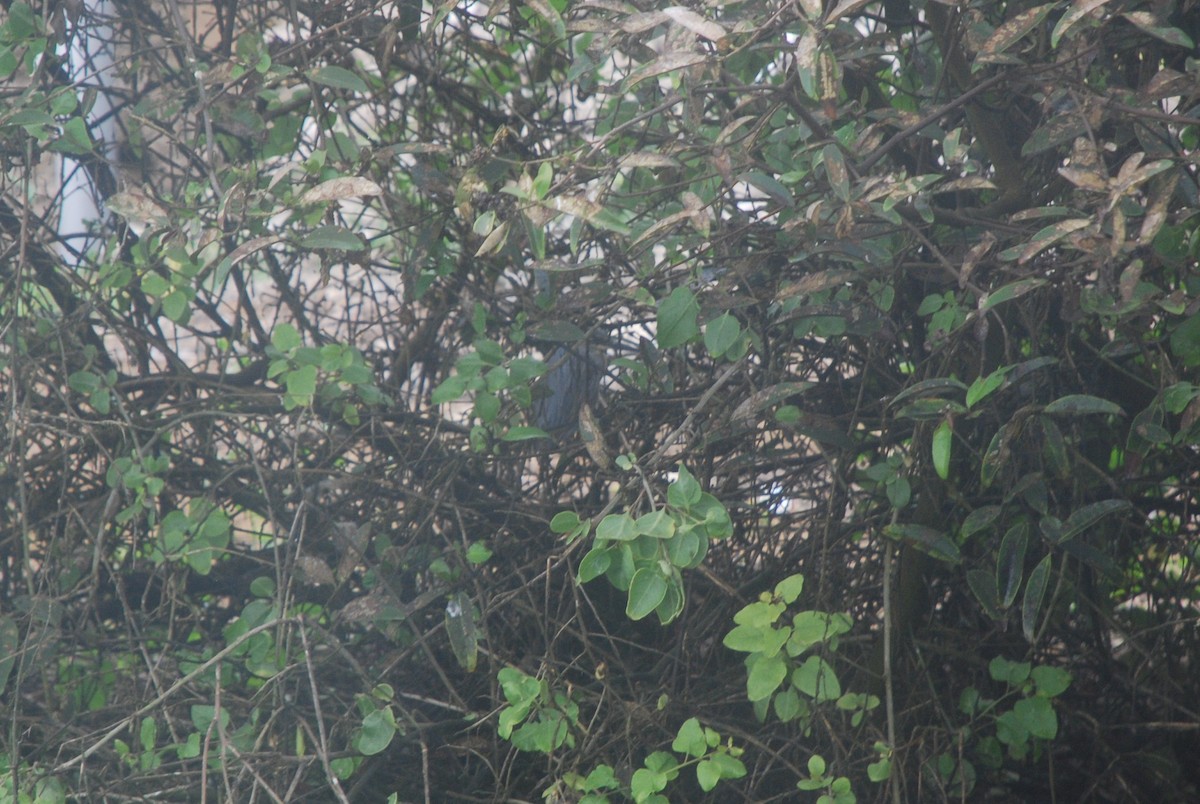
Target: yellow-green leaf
{"type": "Point", "coordinates": [943, 438]}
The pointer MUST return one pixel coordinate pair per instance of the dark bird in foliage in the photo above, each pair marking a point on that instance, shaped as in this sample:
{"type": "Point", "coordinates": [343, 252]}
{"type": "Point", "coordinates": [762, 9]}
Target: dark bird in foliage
{"type": "Point", "coordinates": [573, 379]}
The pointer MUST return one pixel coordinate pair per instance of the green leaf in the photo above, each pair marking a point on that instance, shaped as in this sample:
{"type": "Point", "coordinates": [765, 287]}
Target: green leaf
{"type": "Point", "coordinates": [519, 687]}
{"type": "Point", "coordinates": [943, 440]}
{"type": "Point", "coordinates": [1037, 716]}
{"type": "Point", "coordinates": [1057, 130]}
{"type": "Point", "coordinates": [707, 775]}
{"type": "Point", "coordinates": [1177, 397]}
{"type": "Point", "coordinates": [813, 628]}
{"type": "Point", "coordinates": [720, 334]}
{"type": "Point", "coordinates": [74, 138]}
{"type": "Point", "coordinates": [730, 767]}
{"type": "Point", "coordinates": [647, 589]}
{"type": "Point", "coordinates": [968, 701]}
{"type": "Point", "coordinates": [685, 491]}
{"type": "Point", "coordinates": [766, 675]}
{"type": "Point", "coordinates": [175, 306]}
{"type": "Point", "coordinates": [926, 539]}
{"type": "Point", "coordinates": [558, 331]}
{"type": "Point", "coordinates": [1010, 564]}
{"type": "Point", "coordinates": [204, 714]}
{"type": "Point", "coordinates": [1008, 34]}
{"type": "Point", "coordinates": [618, 528]}
{"type": "Point", "coordinates": [787, 705]}
{"type": "Point", "coordinates": [772, 641]}
{"type": "Point", "coordinates": [543, 180]}
{"type": "Point", "coordinates": [603, 777]}
{"type": "Point", "coordinates": [687, 548]}
{"type": "Point", "coordinates": [1012, 673]}
{"type": "Point", "coordinates": [487, 407]}
{"type": "Point", "coordinates": [936, 387]}
{"type": "Point", "coordinates": [677, 318]}
{"type": "Point", "coordinates": [101, 400]}
{"type": "Point", "coordinates": [899, 491]}
{"type": "Point", "coordinates": [1148, 23]}
{"type": "Point", "coordinates": [983, 386]}
{"type": "Point", "coordinates": [817, 679]}
{"type": "Point", "coordinates": [148, 733]}
{"type": "Point", "coordinates": [84, 382]}
{"type": "Point", "coordinates": [597, 215]}
{"type": "Point", "coordinates": [790, 588]}
{"type": "Point", "coordinates": [378, 729]}
{"type": "Point", "coordinates": [983, 586]}
{"type": "Point", "coordinates": [716, 520]}
{"type": "Point", "coordinates": [1185, 341]}
{"type": "Point", "coordinates": [337, 237]}
{"type": "Point", "coordinates": [671, 605]}
{"type": "Point", "coordinates": [462, 630]}
{"type": "Point", "coordinates": [835, 170]}
{"type": "Point", "coordinates": [215, 530]}
{"type": "Point", "coordinates": [547, 11]}
{"type": "Point", "coordinates": [155, 285]}
{"type": "Point", "coordinates": [21, 22]}
{"type": "Point", "coordinates": [522, 433]}
{"type": "Point", "coordinates": [1009, 292]}
{"type": "Point", "coordinates": [931, 408]}
{"type": "Point", "coordinates": [1054, 448]}
{"type": "Point", "coordinates": [450, 389]}
{"type": "Point", "coordinates": [1083, 404]}
{"type": "Point", "coordinates": [908, 188]}
{"type": "Point", "coordinates": [657, 525]}
{"type": "Point", "coordinates": [308, 356]}
{"type": "Point", "coordinates": [285, 337]}
{"type": "Point", "coordinates": [191, 747]}
{"type": "Point", "coordinates": [690, 739]}
{"type": "Point", "coordinates": [621, 568]}
{"type": "Point", "coordinates": [1051, 528]}
{"type": "Point", "coordinates": [485, 223]}
{"type": "Point", "coordinates": [1035, 591]}
{"type": "Point", "coordinates": [302, 382]}
{"type": "Point", "coordinates": [339, 78]}
{"type": "Point", "coordinates": [748, 638]}
{"type": "Point", "coordinates": [997, 454]}
{"type": "Point", "coordinates": [1078, 11]}
{"type": "Point", "coordinates": [1083, 518]}
{"type": "Point", "coordinates": [769, 185]}
{"type": "Point", "coordinates": [978, 520]}
{"type": "Point", "coordinates": [564, 522]}
{"type": "Point", "coordinates": [594, 564]}
{"type": "Point", "coordinates": [928, 306]}
{"type": "Point", "coordinates": [1061, 128]}
{"type": "Point", "coordinates": [645, 783]}
{"type": "Point", "coordinates": [1050, 681]}
{"type": "Point", "coordinates": [490, 352]}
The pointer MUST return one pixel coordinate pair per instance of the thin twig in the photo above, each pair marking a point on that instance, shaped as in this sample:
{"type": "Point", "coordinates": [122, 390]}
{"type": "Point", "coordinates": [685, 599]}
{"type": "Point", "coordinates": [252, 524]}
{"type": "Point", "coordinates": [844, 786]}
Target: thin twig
{"type": "Point", "coordinates": [178, 685]}
{"type": "Point", "coordinates": [322, 740]}
{"type": "Point", "coordinates": [686, 424]}
{"type": "Point", "coordinates": [888, 693]}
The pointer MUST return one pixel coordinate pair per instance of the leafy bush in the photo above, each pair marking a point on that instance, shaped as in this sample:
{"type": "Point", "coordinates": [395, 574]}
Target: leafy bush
{"type": "Point", "coordinates": [896, 433]}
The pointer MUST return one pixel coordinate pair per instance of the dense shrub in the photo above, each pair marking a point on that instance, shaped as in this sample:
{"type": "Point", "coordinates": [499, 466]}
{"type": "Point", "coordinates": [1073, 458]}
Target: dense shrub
{"type": "Point", "coordinates": [867, 334]}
